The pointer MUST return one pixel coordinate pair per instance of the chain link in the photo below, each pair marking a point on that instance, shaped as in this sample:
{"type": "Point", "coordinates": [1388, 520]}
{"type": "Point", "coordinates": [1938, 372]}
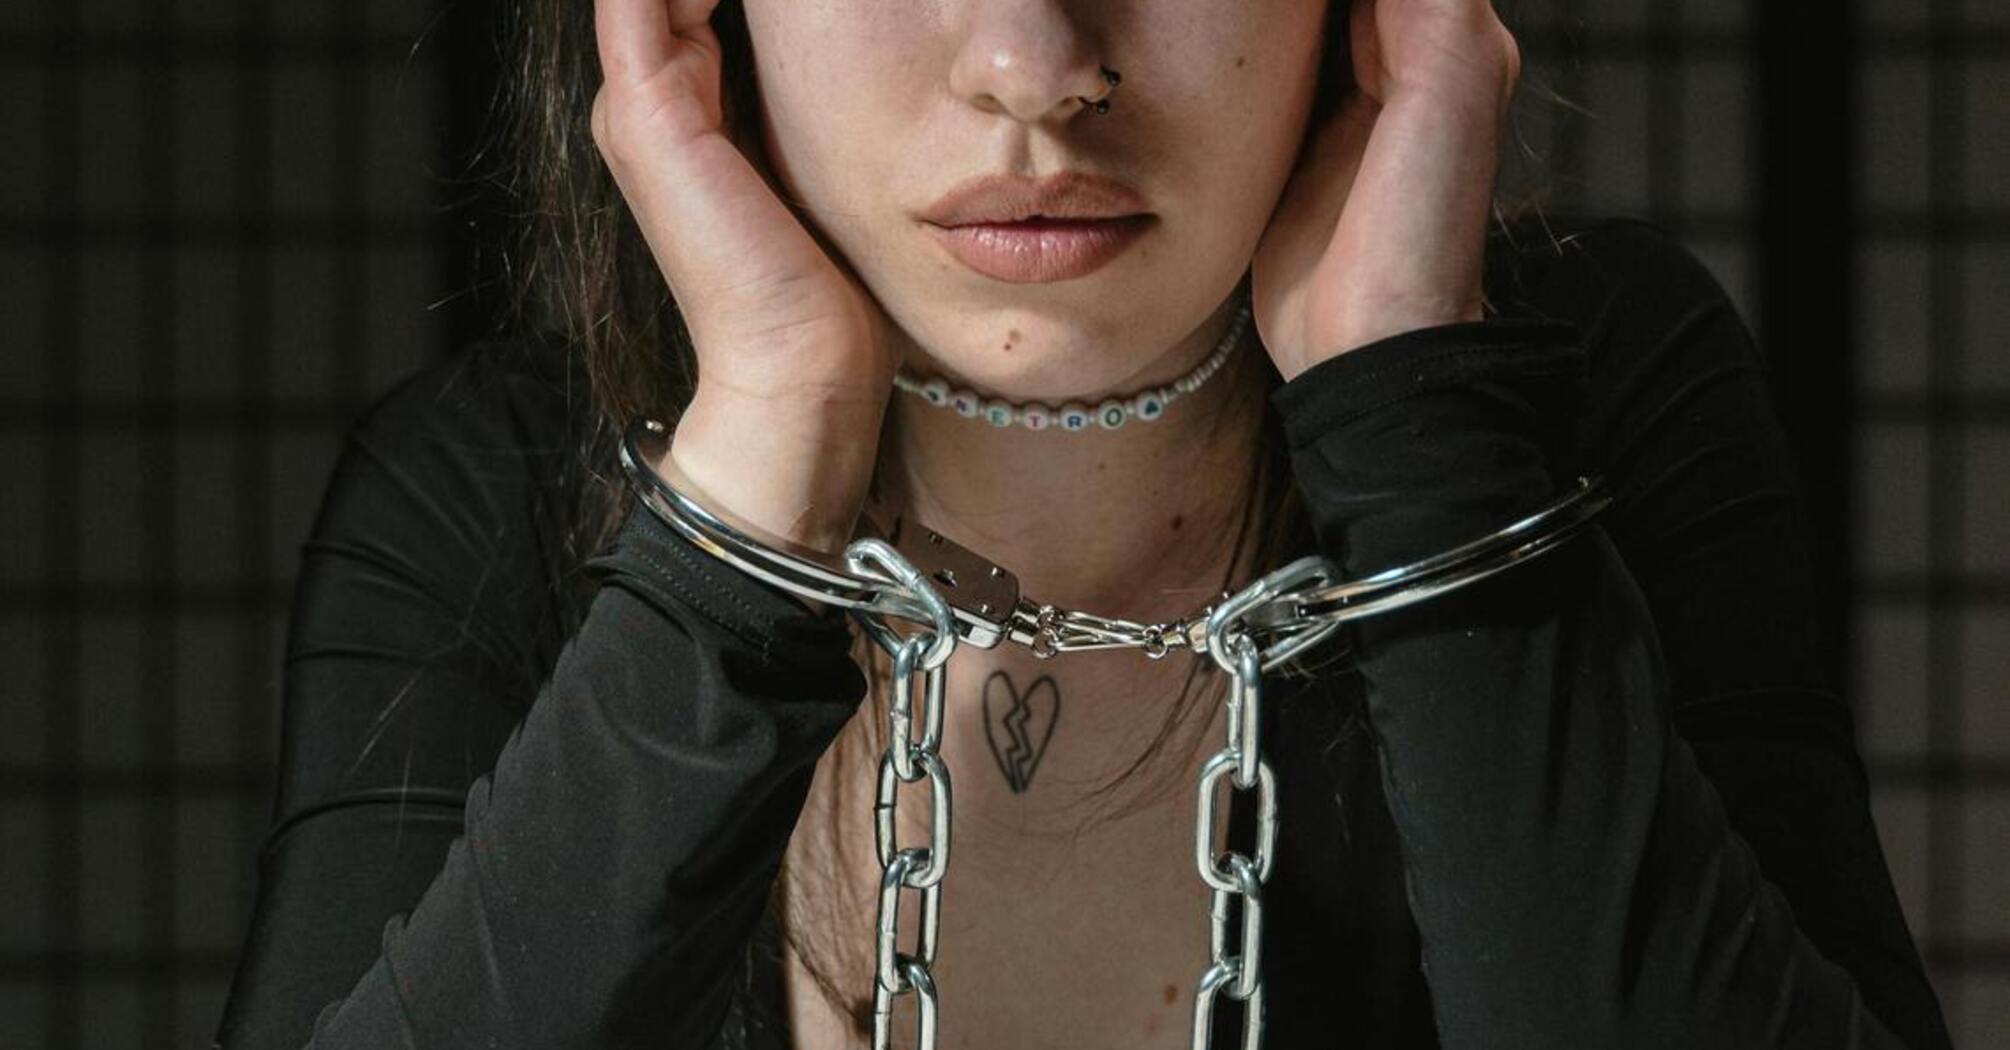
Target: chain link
{"type": "Point", "coordinates": [908, 761]}
{"type": "Point", "coordinates": [1238, 633]}
{"type": "Point", "coordinates": [1233, 876]}
{"type": "Point", "coordinates": [1268, 622]}
{"type": "Point", "coordinates": [919, 868]}
{"type": "Point", "coordinates": [1050, 631]}
{"type": "Point", "coordinates": [1235, 879]}
{"type": "Point", "coordinates": [1302, 605]}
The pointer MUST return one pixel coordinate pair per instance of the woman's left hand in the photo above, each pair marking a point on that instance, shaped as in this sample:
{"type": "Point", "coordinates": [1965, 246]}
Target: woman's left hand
{"type": "Point", "coordinates": [1382, 226]}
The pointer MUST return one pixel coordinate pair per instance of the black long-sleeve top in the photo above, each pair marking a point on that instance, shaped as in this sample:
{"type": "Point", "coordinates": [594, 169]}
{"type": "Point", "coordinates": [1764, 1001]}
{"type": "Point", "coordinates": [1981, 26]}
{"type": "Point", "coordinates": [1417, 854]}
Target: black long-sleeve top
{"type": "Point", "coordinates": [1606, 798]}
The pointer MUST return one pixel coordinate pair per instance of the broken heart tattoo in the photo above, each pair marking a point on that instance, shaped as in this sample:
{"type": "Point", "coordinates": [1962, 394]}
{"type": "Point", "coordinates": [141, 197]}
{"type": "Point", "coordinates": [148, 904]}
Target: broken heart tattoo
{"type": "Point", "coordinates": [1018, 725]}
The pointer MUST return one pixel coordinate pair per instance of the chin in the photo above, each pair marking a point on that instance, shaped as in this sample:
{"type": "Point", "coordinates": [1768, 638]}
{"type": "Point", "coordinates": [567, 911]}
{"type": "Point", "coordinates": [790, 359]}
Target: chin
{"type": "Point", "coordinates": [1029, 356]}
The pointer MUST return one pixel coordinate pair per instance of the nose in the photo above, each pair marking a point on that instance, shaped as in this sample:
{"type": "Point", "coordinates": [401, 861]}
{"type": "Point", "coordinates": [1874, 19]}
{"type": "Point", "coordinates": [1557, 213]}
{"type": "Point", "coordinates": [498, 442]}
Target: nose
{"type": "Point", "coordinates": [1032, 60]}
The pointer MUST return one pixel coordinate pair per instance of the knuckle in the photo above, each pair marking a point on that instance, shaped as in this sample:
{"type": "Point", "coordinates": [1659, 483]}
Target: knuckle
{"type": "Point", "coordinates": [603, 122]}
{"type": "Point", "coordinates": [608, 125]}
{"type": "Point", "coordinates": [1508, 52]}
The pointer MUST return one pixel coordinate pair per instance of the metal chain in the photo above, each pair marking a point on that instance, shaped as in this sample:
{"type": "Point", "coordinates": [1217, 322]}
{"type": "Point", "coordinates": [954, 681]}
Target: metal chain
{"type": "Point", "coordinates": [1247, 632]}
{"type": "Point", "coordinates": [989, 610]}
{"type": "Point", "coordinates": [1235, 962]}
{"type": "Point", "coordinates": [1284, 613]}
{"type": "Point", "coordinates": [1236, 879]}
{"type": "Point", "coordinates": [1055, 630]}
{"type": "Point", "coordinates": [907, 761]}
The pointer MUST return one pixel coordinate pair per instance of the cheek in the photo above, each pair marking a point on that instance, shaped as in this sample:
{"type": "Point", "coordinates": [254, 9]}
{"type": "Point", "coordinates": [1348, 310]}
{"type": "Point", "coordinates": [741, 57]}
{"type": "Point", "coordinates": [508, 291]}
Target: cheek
{"type": "Point", "coordinates": [830, 89]}
{"type": "Point", "coordinates": [1239, 134]}
{"type": "Point", "coordinates": [1242, 76]}
{"type": "Point", "coordinates": [836, 59]}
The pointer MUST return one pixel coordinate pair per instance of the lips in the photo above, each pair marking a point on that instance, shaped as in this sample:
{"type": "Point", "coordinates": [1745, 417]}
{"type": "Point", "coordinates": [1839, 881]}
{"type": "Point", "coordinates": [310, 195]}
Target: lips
{"type": "Point", "coordinates": [1022, 230]}
{"type": "Point", "coordinates": [1015, 198]}
{"type": "Point", "coordinates": [1041, 250]}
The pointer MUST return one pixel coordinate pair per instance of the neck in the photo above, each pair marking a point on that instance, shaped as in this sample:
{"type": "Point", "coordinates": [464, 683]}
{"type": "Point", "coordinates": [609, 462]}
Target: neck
{"type": "Point", "coordinates": [1135, 522]}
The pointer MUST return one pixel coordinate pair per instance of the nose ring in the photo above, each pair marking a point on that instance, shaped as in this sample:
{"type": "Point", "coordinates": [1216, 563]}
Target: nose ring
{"type": "Point", "coordinates": [1102, 105]}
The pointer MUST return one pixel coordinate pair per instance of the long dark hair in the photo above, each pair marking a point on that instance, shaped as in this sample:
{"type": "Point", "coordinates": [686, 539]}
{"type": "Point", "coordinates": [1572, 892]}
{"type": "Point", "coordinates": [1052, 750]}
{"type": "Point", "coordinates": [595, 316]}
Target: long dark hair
{"type": "Point", "coordinates": [580, 271]}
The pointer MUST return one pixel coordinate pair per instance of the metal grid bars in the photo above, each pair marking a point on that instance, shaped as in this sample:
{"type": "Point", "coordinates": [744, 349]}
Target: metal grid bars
{"type": "Point", "coordinates": [1932, 520]}
{"type": "Point", "coordinates": [1843, 170]}
{"type": "Point", "coordinates": [219, 239]}
{"type": "Point", "coordinates": [216, 242]}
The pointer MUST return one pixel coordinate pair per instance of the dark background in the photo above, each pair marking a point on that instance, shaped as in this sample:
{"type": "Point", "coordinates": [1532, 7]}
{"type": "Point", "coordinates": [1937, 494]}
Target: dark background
{"type": "Point", "coordinates": [225, 226]}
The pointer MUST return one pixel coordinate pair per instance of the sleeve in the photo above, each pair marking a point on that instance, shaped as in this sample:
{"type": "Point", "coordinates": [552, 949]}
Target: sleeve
{"type": "Point", "coordinates": [466, 853]}
{"type": "Point", "coordinates": [1630, 814]}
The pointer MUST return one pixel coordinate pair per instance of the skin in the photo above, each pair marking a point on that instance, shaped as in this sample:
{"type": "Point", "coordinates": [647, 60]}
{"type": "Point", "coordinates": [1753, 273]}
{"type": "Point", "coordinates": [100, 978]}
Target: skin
{"type": "Point", "coordinates": [806, 273]}
{"type": "Point", "coordinates": [806, 276]}
{"type": "Point", "coordinates": [1205, 126]}
{"type": "Point", "coordinates": [1212, 109]}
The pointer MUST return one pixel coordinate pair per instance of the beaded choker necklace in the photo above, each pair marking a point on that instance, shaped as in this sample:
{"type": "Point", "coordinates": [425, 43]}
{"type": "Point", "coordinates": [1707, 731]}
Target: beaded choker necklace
{"type": "Point", "coordinates": [1111, 413]}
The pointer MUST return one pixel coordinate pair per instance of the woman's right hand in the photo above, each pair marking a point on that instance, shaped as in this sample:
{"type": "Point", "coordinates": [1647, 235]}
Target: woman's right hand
{"type": "Point", "coordinates": [793, 366]}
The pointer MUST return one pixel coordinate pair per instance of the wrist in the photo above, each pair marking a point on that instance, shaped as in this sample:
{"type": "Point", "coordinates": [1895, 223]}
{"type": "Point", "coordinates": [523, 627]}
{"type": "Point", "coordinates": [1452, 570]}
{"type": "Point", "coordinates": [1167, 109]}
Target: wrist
{"type": "Point", "coordinates": [1368, 325]}
{"type": "Point", "coordinates": [798, 474]}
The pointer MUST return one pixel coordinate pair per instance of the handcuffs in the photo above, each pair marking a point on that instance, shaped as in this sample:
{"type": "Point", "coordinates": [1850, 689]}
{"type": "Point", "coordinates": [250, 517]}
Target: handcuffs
{"type": "Point", "coordinates": [902, 571]}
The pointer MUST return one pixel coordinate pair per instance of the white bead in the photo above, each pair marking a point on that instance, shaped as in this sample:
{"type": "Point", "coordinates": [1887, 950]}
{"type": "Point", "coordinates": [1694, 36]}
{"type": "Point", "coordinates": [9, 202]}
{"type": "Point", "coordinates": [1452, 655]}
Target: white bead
{"type": "Point", "coordinates": [998, 413]}
{"type": "Point", "coordinates": [965, 403]}
{"type": "Point", "coordinates": [1151, 404]}
{"type": "Point", "coordinates": [1035, 416]}
{"type": "Point", "coordinates": [936, 391]}
{"type": "Point", "coordinates": [1074, 416]}
{"type": "Point", "coordinates": [1111, 414]}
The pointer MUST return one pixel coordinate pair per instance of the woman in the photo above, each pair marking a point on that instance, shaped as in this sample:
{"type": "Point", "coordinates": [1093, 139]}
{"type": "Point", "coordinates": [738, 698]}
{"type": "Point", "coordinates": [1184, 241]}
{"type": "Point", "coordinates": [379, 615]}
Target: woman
{"type": "Point", "coordinates": [1601, 799]}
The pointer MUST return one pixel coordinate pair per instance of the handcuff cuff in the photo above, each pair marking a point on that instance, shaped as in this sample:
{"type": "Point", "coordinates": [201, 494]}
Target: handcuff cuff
{"type": "Point", "coordinates": [895, 569]}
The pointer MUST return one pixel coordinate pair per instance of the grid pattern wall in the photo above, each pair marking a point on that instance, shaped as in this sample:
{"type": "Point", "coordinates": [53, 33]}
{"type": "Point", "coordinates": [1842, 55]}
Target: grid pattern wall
{"type": "Point", "coordinates": [1932, 551]}
{"type": "Point", "coordinates": [216, 241]}
{"type": "Point", "coordinates": [222, 236]}
{"type": "Point", "coordinates": [1667, 87]}
{"type": "Point", "coordinates": [1642, 107]}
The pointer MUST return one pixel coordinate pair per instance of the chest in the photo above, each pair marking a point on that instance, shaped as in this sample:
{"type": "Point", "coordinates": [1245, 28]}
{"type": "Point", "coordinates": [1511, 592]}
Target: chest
{"type": "Point", "coordinates": [1042, 963]}
{"type": "Point", "coordinates": [1097, 946]}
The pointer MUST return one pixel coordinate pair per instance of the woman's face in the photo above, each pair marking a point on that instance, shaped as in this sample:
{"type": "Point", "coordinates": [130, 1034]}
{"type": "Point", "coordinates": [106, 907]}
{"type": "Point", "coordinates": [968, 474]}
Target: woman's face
{"type": "Point", "coordinates": [873, 109]}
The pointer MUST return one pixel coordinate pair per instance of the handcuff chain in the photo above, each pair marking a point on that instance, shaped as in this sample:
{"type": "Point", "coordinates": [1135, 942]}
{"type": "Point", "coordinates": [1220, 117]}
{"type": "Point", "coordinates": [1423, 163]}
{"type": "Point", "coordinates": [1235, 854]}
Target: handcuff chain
{"type": "Point", "coordinates": [1289, 610]}
{"type": "Point", "coordinates": [1234, 966]}
{"type": "Point", "coordinates": [919, 575]}
{"type": "Point", "coordinates": [1300, 604]}
{"type": "Point", "coordinates": [1235, 912]}
{"type": "Point", "coordinates": [907, 761]}
{"type": "Point", "coordinates": [1053, 631]}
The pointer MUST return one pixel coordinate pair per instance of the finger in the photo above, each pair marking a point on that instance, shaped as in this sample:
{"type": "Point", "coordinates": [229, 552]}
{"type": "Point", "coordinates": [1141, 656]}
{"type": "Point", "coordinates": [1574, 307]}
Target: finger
{"type": "Point", "coordinates": [1323, 179]}
{"type": "Point", "coordinates": [1336, 146]}
{"type": "Point", "coordinates": [635, 37]}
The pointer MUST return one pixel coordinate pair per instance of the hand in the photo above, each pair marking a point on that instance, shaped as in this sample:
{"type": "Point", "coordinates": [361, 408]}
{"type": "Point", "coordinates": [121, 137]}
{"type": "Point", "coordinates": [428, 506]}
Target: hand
{"type": "Point", "coordinates": [793, 369]}
{"type": "Point", "coordinates": [1382, 227]}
